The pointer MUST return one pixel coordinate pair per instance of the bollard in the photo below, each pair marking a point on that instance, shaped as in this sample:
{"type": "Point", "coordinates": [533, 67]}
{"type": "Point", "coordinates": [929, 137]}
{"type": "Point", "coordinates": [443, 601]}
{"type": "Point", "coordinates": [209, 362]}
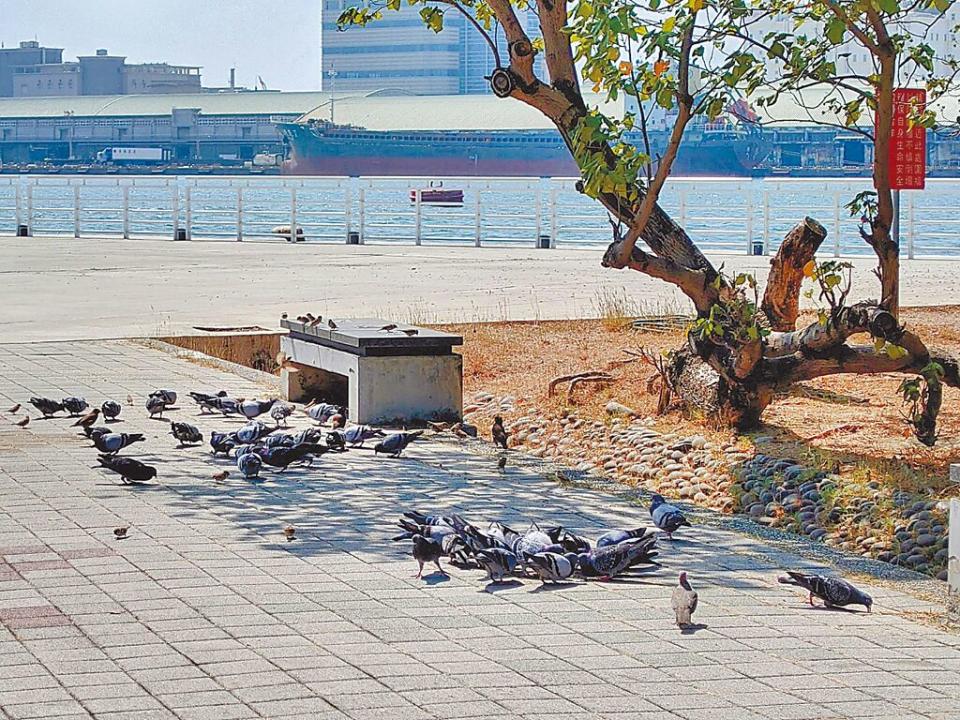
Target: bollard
{"type": "Point", "coordinates": [23, 231]}
{"type": "Point", "coordinates": [758, 247]}
{"type": "Point", "coordinates": [543, 242]}
{"type": "Point", "coordinates": [353, 238]}
{"type": "Point", "coordinates": [953, 548]}
{"type": "Point", "coordinates": [180, 234]}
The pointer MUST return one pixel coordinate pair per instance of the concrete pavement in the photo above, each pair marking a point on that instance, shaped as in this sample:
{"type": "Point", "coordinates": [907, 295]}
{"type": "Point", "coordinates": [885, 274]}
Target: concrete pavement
{"type": "Point", "coordinates": [206, 612]}
{"type": "Point", "coordinates": [63, 288]}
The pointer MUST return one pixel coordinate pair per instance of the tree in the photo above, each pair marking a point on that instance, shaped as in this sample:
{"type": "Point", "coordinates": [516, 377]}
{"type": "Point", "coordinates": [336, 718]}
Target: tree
{"type": "Point", "coordinates": [696, 58]}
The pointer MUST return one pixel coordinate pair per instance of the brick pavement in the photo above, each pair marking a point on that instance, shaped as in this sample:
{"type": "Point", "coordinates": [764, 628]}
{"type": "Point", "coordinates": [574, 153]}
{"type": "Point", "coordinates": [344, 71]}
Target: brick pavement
{"type": "Point", "coordinates": [207, 612]}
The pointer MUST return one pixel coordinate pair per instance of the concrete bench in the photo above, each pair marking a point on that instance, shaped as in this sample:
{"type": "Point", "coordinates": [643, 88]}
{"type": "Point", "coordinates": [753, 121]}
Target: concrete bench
{"type": "Point", "coordinates": [380, 375]}
{"type": "Point", "coordinates": [953, 544]}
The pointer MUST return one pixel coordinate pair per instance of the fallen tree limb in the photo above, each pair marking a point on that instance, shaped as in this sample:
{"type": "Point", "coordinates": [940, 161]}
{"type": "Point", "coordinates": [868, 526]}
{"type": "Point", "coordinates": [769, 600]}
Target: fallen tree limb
{"type": "Point", "coordinates": [781, 298]}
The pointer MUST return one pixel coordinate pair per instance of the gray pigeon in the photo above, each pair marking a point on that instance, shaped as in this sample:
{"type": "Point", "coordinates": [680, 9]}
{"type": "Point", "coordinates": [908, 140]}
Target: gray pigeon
{"type": "Point", "coordinates": [249, 464]}
{"type": "Point", "coordinates": [169, 396]}
{"type": "Point", "coordinates": [253, 431]}
{"type": "Point", "coordinates": [553, 567]}
{"type": "Point", "coordinates": [110, 409]}
{"type": "Point", "coordinates": [834, 591]}
{"type": "Point", "coordinates": [355, 435]}
{"type": "Point", "coordinates": [426, 550]}
{"type": "Point", "coordinates": [396, 443]}
{"type": "Point", "coordinates": [321, 412]}
{"type": "Point", "coordinates": [156, 405]}
{"type": "Point", "coordinates": [608, 562]}
{"type": "Point", "coordinates": [684, 601]}
{"type": "Point", "coordinates": [251, 409]}
{"type": "Point", "coordinates": [615, 537]}
{"type": "Point", "coordinates": [498, 563]}
{"type": "Point", "coordinates": [112, 443]}
{"type": "Point", "coordinates": [46, 406]}
{"type": "Point", "coordinates": [280, 411]}
{"type": "Point", "coordinates": [665, 516]}
{"type": "Point", "coordinates": [74, 405]}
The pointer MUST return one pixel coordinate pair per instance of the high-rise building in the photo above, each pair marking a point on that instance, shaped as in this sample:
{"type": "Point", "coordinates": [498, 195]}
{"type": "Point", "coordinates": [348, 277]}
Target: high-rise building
{"type": "Point", "coordinates": [399, 53]}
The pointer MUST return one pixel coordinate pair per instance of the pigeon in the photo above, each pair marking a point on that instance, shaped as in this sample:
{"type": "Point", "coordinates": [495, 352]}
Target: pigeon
{"type": "Point", "coordinates": [608, 562]}
{"type": "Point", "coordinates": [280, 411]}
{"type": "Point", "coordinates": [219, 402]}
{"type": "Point", "coordinates": [553, 567]}
{"type": "Point", "coordinates": [308, 435]}
{"type": "Point", "coordinates": [120, 533]}
{"type": "Point", "coordinates": [834, 591]}
{"type": "Point", "coordinates": [497, 562]}
{"type": "Point", "coordinates": [14, 409]}
{"type": "Point", "coordinates": [112, 443]}
{"type": "Point", "coordinates": [249, 465]}
{"type": "Point", "coordinates": [156, 405]}
{"type": "Point", "coordinates": [498, 433]}
{"type": "Point", "coordinates": [246, 449]}
{"type": "Point", "coordinates": [426, 550]}
{"type": "Point", "coordinates": [251, 409]}
{"type": "Point", "coordinates": [283, 457]}
{"type": "Point", "coordinates": [570, 542]}
{"type": "Point", "coordinates": [202, 398]}
{"type": "Point", "coordinates": [129, 470]}
{"type": "Point", "coordinates": [222, 442]}
{"type": "Point", "coordinates": [336, 441]}
{"type": "Point", "coordinates": [396, 443]}
{"type": "Point", "coordinates": [615, 537]}
{"type": "Point", "coordinates": [74, 405]}
{"type": "Point", "coordinates": [684, 601]}
{"type": "Point", "coordinates": [253, 431]}
{"type": "Point", "coordinates": [110, 410]}
{"type": "Point", "coordinates": [169, 397]}
{"type": "Point", "coordinates": [89, 419]}
{"type": "Point", "coordinates": [221, 476]}
{"type": "Point", "coordinates": [24, 422]}
{"type": "Point", "coordinates": [290, 532]}
{"type": "Point", "coordinates": [355, 435]}
{"type": "Point", "coordinates": [184, 432]}
{"type": "Point", "coordinates": [93, 432]}
{"type": "Point", "coordinates": [46, 406]}
{"type": "Point", "coordinates": [279, 440]}
{"type": "Point", "coordinates": [322, 412]}
{"type": "Point", "coordinates": [665, 516]}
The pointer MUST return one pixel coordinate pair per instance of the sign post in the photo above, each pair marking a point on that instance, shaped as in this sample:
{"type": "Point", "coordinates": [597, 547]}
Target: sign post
{"type": "Point", "coordinates": [907, 159]}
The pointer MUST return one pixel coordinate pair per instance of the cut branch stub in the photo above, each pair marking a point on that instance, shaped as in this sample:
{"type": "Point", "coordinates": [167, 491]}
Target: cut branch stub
{"type": "Point", "coordinates": [781, 299]}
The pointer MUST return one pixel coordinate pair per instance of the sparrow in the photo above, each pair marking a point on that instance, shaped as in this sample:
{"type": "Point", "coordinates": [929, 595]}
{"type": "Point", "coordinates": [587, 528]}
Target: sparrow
{"type": "Point", "coordinates": [388, 328]}
{"type": "Point", "coordinates": [316, 321]}
{"type": "Point", "coordinates": [120, 533]}
{"type": "Point", "coordinates": [14, 408]}
{"type": "Point", "coordinates": [23, 423]}
{"type": "Point", "coordinates": [89, 419]}
{"type": "Point", "coordinates": [290, 532]}
{"type": "Point", "coordinates": [331, 324]}
{"type": "Point", "coordinates": [221, 476]}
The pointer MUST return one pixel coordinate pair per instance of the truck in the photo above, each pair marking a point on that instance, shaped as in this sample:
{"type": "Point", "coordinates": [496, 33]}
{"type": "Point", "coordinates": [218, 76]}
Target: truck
{"type": "Point", "coordinates": [133, 155]}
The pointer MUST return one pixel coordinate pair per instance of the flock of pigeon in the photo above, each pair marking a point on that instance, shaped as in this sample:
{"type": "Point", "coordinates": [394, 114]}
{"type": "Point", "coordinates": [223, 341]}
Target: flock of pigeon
{"type": "Point", "coordinates": [552, 554]}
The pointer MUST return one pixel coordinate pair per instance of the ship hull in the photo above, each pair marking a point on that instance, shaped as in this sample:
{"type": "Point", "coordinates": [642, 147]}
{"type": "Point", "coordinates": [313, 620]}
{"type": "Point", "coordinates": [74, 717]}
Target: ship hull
{"type": "Point", "coordinates": [357, 152]}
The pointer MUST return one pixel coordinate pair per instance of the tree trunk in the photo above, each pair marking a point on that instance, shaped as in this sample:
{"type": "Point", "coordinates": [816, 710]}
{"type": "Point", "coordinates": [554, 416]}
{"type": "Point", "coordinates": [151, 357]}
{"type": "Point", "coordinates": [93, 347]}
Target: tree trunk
{"type": "Point", "coordinates": [781, 299]}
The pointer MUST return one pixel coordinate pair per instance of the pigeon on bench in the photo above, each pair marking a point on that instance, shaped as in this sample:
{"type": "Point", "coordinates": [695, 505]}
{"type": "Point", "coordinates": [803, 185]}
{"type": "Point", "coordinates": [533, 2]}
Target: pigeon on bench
{"type": "Point", "coordinates": [129, 470]}
{"type": "Point", "coordinates": [665, 516]}
{"type": "Point", "coordinates": [834, 591]}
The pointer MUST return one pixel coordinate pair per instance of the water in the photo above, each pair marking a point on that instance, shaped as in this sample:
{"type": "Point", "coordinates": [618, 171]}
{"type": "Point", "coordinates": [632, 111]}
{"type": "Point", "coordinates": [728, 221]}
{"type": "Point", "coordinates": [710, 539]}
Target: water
{"type": "Point", "coordinates": [722, 215]}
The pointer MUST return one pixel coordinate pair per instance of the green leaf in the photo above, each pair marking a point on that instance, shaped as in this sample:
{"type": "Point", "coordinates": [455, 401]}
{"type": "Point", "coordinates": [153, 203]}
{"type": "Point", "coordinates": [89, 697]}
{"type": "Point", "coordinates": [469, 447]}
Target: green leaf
{"type": "Point", "coordinates": [890, 6]}
{"type": "Point", "coordinates": [835, 30]}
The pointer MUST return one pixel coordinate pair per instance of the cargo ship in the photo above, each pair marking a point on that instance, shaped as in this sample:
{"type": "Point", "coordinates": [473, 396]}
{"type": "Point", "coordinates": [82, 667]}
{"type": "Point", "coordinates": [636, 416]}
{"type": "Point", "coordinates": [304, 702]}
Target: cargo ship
{"type": "Point", "coordinates": [320, 147]}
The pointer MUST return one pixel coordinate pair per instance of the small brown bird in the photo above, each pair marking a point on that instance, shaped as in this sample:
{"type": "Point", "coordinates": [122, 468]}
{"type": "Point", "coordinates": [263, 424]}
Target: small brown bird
{"type": "Point", "coordinates": [14, 409]}
{"type": "Point", "coordinates": [283, 316]}
{"type": "Point", "coordinates": [129, 399]}
{"type": "Point", "coordinates": [502, 463]}
{"type": "Point", "coordinates": [388, 328]}
{"type": "Point", "coordinates": [24, 422]}
{"type": "Point", "coordinates": [221, 476]}
{"type": "Point", "coordinates": [290, 532]}
{"type": "Point", "coordinates": [120, 533]}
{"type": "Point", "coordinates": [410, 332]}
{"type": "Point", "coordinates": [498, 432]}
{"type": "Point", "coordinates": [89, 419]}
{"type": "Point", "coordinates": [331, 324]}
{"type": "Point", "coordinates": [316, 321]}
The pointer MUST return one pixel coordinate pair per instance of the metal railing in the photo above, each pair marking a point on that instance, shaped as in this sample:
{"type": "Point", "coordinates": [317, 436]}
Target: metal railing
{"type": "Point", "coordinates": [731, 215]}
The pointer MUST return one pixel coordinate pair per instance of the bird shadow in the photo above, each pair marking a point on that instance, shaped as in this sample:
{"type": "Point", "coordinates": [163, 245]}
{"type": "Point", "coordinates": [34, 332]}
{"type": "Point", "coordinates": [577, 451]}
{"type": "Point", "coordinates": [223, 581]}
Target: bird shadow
{"type": "Point", "coordinates": [693, 629]}
{"type": "Point", "coordinates": [435, 578]}
{"type": "Point", "coordinates": [111, 421]}
{"type": "Point", "coordinates": [834, 608]}
{"type": "Point", "coordinates": [497, 586]}
{"type": "Point", "coordinates": [550, 587]}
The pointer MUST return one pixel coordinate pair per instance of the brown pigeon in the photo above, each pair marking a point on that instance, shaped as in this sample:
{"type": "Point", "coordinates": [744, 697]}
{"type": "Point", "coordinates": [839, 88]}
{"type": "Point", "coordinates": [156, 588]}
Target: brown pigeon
{"type": "Point", "coordinates": [684, 602]}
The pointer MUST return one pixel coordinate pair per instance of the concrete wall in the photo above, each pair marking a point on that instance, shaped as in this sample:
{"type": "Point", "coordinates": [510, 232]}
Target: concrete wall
{"type": "Point", "coordinates": [954, 546]}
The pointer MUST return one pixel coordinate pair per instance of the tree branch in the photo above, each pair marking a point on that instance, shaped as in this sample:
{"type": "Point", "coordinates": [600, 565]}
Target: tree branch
{"type": "Point", "coordinates": [695, 284]}
{"type": "Point", "coordinates": [781, 297]}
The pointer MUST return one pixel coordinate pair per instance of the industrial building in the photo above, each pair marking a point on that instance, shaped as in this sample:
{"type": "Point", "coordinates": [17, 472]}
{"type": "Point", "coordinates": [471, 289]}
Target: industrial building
{"type": "Point", "coordinates": [399, 53]}
{"type": "Point", "coordinates": [32, 70]}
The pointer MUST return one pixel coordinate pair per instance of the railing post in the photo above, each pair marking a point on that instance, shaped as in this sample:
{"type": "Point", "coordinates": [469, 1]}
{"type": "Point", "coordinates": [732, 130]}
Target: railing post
{"type": "Point", "coordinates": [189, 212]}
{"type": "Point", "coordinates": [348, 210]}
{"type": "Point", "coordinates": [362, 212]}
{"type": "Point", "coordinates": [293, 214]}
{"type": "Point", "coordinates": [29, 209]}
{"type": "Point", "coordinates": [239, 213]}
{"type": "Point", "coordinates": [126, 212]}
{"type": "Point", "coordinates": [19, 201]}
{"type": "Point", "coordinates": [417, 215]}
{"type": "Point", "coordinates": [76, 211]}
{"type": "Point", "coordinates": [476, 218]}
{"type": "Point", "coordinates": [553, 216]}
{"type": "Point", "coordinates": [175, 202]}
{"type": "Point", "coordinates": [766, 222]}
{"type": "Point", "coordinates": [910, 226]}
{"type": "Point", "coordinates": [538, 213]}
{"type": "Point", "coordinates": [836, 224]}
{"type": "Point", "coordinates": [750, 223]}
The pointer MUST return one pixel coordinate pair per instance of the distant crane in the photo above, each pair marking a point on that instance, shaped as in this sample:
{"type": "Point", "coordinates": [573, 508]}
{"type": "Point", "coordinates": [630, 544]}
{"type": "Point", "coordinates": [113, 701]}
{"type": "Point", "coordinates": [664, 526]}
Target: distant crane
{"type": "Point", "coordinates": [260, 83]}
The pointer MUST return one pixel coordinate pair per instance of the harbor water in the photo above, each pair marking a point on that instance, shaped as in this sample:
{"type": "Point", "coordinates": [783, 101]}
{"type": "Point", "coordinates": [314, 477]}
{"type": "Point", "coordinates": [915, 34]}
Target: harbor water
{"type": "Point", "coordinates": [736, 215]}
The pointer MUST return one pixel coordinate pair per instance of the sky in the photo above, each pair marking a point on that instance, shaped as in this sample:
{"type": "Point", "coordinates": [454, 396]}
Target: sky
{"type": "Point", "coordinates": [278, 40]}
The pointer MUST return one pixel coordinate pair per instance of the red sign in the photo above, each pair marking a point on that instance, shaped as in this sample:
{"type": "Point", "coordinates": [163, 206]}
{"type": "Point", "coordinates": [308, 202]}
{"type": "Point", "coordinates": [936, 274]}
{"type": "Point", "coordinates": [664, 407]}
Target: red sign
{"type": "Point", "coordinates": [908, 143]}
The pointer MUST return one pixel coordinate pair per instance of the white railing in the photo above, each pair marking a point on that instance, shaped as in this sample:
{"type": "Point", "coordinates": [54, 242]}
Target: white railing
{"type": "Point", "coordinates": [729, 215]}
